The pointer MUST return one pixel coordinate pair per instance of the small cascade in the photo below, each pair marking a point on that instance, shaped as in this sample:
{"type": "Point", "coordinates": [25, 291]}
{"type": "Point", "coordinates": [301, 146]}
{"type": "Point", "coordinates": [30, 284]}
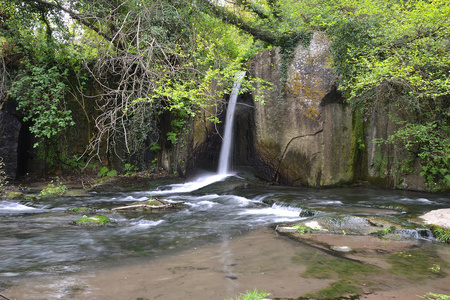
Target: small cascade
{"type": "Point", "coordinates": [225, 151]}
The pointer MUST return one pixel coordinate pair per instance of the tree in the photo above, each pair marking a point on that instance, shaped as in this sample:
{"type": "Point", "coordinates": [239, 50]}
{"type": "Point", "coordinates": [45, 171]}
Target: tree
{"type": "Point", "coordinates": [150, 57]}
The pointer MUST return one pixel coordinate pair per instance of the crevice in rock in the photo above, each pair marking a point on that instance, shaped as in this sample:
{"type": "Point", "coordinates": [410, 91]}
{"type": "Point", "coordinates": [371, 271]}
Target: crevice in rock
{"type": "Point", "coordinates": [276, 175]}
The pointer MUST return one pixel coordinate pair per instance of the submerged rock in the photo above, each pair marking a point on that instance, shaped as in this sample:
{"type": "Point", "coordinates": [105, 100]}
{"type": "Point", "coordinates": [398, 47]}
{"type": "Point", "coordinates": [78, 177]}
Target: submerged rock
{"type": "Point", "coordinates": [92, 221]}
{"type": "Point", "coordinates": [83, 210]}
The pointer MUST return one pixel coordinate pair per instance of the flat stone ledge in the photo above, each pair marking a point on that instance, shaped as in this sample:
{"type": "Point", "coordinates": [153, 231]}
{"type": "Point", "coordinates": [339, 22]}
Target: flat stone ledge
{"type": "Point", "coordinates": [439, 217]}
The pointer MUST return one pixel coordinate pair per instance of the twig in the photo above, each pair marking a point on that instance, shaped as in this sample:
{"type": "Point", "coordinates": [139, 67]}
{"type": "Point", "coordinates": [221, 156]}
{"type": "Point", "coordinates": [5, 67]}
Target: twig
{"type": "Point", "coordinates": [4, 297]}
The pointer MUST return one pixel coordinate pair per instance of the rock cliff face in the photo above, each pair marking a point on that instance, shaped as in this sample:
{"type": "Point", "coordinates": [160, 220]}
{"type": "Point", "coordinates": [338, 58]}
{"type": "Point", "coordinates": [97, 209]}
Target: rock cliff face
{"type": "Point", "coordinates": [14, 142]}
{"type": "Point", "coordinates": [9, 141]}
{"type": "Point", "coordinates": [305, 134]}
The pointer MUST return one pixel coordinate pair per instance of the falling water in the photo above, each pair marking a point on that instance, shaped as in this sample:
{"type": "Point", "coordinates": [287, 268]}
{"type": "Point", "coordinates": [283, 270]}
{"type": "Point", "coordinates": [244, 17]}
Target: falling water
{"type": "Point", "coordinates": [224, 159]}
{"type": "Point", "coordinates": [225, 151]}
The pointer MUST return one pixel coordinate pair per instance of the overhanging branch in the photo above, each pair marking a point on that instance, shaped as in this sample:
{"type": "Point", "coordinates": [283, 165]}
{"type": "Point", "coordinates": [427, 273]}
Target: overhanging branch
{"type": "Point", "coordinates": [74, 15]}
{"type": "Point", "coordinates": [231, 18]}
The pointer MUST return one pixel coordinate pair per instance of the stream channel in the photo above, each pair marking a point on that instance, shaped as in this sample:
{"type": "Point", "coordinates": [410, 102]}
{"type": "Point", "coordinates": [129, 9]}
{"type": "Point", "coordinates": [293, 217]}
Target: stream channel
{"type": "Point", "coordinates": [220, 243]}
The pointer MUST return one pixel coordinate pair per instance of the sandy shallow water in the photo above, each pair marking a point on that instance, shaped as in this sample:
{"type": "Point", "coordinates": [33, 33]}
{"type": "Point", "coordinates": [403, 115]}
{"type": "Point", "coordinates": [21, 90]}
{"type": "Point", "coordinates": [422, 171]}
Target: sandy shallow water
{"type": "Point", "coordinates": [260, 259]}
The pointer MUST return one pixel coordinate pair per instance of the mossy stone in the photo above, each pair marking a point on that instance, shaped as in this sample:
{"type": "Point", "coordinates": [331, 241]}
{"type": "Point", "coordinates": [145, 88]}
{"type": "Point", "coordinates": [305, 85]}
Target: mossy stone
{"type": "Point", "coordinates": [15, 195]}
{"type": "Point", "coordinates": [30, 197]}
{"type": "Point", "coordinates": [155, 203]}
{"type": "Point", "coordinates": [307, 212]}
{"type": "Point", "coordinates": [93, 221]}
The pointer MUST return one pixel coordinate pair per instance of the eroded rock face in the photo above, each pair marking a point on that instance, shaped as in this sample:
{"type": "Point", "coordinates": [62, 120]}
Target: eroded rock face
{"type": "Point", "coordinates": [304, 135]}
{"type": "Point", "coordinates": [9, 142]}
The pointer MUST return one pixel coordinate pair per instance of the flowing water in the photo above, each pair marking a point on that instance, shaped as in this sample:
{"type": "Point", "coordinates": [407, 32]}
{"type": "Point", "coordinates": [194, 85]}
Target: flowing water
{"type": "Point", "coordinates": [224, 159]}
{"type": "Point", "coordinates": [38, 239]}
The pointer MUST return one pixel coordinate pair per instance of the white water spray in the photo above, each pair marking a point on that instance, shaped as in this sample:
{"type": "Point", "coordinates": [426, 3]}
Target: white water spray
{"type": "Point", "coordinates": [225, 151]}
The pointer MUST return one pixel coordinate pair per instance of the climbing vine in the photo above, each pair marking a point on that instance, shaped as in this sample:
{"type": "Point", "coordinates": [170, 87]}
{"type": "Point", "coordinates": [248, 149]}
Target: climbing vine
{"type": "Point", "coordinates": [40, 93]}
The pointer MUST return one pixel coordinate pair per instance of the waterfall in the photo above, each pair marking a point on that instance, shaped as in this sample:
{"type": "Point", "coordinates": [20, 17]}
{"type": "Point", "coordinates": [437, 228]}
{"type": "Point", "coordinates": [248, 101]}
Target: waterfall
{"type": "Point", "coordinates": [225, 151]}
{"type": "Point", "coordinates": [224, 159]}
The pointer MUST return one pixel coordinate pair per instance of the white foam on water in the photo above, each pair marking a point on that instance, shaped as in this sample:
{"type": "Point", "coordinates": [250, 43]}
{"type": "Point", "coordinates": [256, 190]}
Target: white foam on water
{"type": "Point", "coordinates": [261, 198]}
{"type": "Point", "coordinates": [275, 211]}
{"type": "Point", "coordinates": [208, 204]}
{"type": "Point", "coordinates": [132, 198]}
{"type": "Point", "coordinates": [7, 206]}
{"type": "Point", "coordinates": [331, 202]}
{"type": "Point", "coordinates": [139, 225]}
{"type": "Point", "coordinates": [239, 200]}
{"type": "Point", "coordinates": [144, 224]}
{"type": "Point", "coordinates": [191, 186]}
{"type": "Point", "coordinates": [417, 200]}
{"type": "Point", "coordinates": [192, 199]}
{"type": "Point", "coordinates": [424, 200]}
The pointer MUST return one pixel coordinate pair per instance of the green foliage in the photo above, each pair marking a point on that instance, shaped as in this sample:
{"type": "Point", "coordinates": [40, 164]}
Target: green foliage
{"type": "Point", "coordinates": [433, 296]}
{"type": "Point", "coordinates": [155, 147]}
{"type": "Point", "coordinates": [441, 234]}
{"type": "Point", "coordinates": [105, 172]}
{"type": "Point", "coordinates": [397, 61]}
{"type": "Point", "coordinates": [384, 231]}
{"type": "Point", "coordinates": [112, 173]}
{"type": "Point", "coordinates": [303, 229]}
{"type": "Point", "coordinates": [52, 189]}
{"type": "Point", "coordinates": [253, 295]}
{"type": "Point", "coordinates": [130, 169]}
{"type": "Point", "coordinates": [39, 92]}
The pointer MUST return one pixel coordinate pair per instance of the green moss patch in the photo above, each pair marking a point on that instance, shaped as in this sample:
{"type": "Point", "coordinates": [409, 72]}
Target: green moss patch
{"type": "Point", "coordinates": [336, 290]}
{"type": "Point", "coordinates": [93, 221]}
{"type": "Point", "coordinates": [349, 275]}
{"type": "Point", "coordinates": [323, 266]}
{"type": "Point", "coordinates": [417, 264]}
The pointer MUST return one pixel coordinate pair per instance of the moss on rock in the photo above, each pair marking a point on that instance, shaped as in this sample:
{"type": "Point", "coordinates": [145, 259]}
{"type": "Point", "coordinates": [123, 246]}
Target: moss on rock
{"type": "Point", "coordinates": [15, 195]}
{"type": "Point", "coordinates": [93, 221]}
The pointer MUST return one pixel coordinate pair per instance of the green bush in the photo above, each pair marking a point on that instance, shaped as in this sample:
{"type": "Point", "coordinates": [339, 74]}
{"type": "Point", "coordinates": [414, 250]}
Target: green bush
{"type": "Point", "coordinates": [54, 190]}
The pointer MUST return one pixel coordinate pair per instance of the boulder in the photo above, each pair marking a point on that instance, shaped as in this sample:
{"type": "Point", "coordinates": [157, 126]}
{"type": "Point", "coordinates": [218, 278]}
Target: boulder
{"type": "Point", "coordinates": [439, 217]}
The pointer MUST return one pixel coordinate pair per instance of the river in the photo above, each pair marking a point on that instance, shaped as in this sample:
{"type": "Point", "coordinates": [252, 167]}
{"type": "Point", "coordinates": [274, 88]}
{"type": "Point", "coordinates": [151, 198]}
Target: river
{"type": "Point", "coordinates": [218, 244]}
